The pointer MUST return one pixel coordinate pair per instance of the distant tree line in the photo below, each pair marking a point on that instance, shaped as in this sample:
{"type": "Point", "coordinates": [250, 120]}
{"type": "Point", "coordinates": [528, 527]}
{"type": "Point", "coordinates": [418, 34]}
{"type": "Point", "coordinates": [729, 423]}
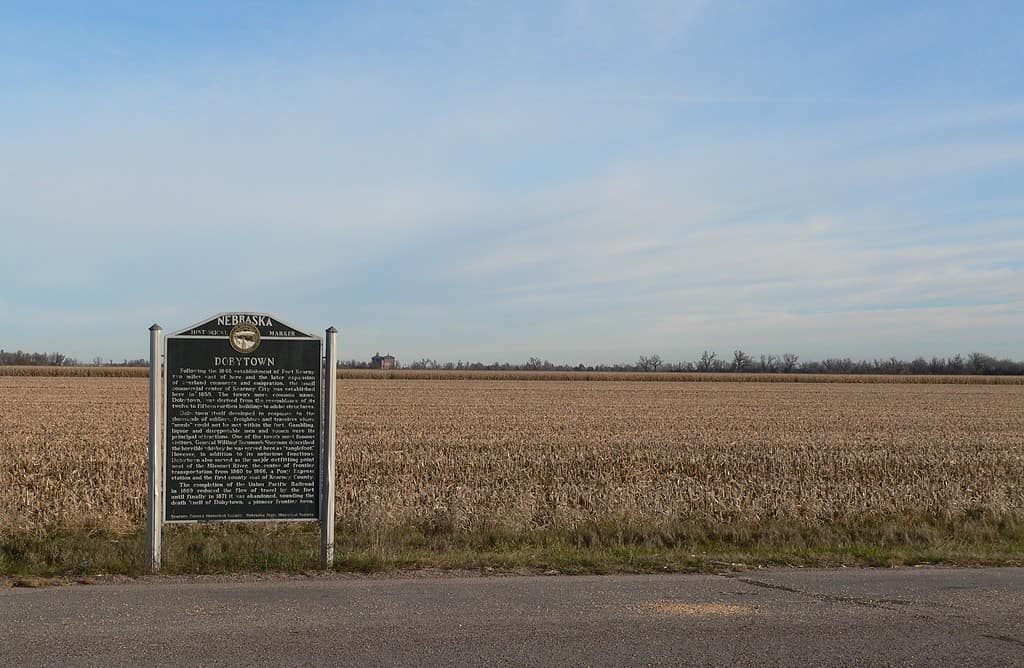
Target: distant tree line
{"type": "Point", "coordinates": [20, 358]}
{"type": "Point", "coordinates": [740, 361]}
{"type": "Point", "coordinates": [355, 364]}
{"type": "Point", "coordinates": [708, 362]}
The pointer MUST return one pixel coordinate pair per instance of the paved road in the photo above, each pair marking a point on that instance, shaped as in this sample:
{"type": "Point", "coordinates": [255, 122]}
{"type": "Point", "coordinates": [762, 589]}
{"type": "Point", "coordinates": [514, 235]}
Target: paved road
{"type": "Point", "coordinates": [912, 617]}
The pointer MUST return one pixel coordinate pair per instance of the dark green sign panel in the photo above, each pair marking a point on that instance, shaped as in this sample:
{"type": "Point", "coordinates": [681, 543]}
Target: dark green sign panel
{"type": "Point", "coordinates": [243, 421]}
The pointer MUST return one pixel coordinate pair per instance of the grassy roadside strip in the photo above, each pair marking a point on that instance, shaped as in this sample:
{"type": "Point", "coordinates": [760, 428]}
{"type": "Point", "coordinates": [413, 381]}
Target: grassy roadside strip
{"type": "Point", "coordinates": [293, 547]}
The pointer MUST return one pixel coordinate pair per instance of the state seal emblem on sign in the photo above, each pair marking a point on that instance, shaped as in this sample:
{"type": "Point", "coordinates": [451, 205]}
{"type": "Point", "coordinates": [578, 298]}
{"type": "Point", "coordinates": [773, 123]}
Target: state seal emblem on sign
{"type": "Point", "coordinates": [244, 338]}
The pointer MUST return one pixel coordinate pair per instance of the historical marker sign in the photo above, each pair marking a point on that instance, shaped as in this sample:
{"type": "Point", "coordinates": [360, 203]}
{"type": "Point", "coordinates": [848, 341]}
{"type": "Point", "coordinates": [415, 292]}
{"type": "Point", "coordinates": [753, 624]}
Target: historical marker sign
{"type": "Point", "coordinates": [243, 421]}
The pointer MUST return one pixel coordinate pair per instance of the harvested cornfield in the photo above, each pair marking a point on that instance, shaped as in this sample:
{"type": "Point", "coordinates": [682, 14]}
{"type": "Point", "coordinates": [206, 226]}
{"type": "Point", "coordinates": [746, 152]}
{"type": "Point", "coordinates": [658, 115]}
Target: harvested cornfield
{"type": "Point", "coordinates": [446, 456]}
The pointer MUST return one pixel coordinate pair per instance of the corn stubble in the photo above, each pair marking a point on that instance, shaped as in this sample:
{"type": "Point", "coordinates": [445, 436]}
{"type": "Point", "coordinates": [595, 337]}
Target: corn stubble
{"type": "Point", "coordinates": [519, 456]}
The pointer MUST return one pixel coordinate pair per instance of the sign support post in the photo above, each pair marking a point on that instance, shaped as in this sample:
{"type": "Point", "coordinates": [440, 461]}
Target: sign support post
{"type": "Point", "coordinates": [154, 499]}
{"type": "Point", "coordinates": [327, 465]}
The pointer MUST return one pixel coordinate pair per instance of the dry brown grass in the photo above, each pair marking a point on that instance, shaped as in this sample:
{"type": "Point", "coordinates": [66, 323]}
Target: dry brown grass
{"type": "Point", "coordinates": [516, 455]}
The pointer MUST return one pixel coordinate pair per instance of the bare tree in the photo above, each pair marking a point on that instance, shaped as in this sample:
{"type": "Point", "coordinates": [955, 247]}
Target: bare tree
{"type": "Point", "coordinates": [740, 360]}
{"type": "Point", "coordinates": [649, 363]}
{"type": "Point", "coordinates": [838, 365]}
{"type": "Point", "coordinates": [769, 364]}
{"type": "Point", "coordinates": [789, 361]}
{"type": "Point", "coordinates": [708, 361]}
{"type": "Point", "coordinates": [980, 363]}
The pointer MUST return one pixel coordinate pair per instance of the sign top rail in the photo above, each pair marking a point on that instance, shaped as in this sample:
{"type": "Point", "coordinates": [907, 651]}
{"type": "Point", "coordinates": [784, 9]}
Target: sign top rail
{"type": "Point", "coordinates": [222, 324]}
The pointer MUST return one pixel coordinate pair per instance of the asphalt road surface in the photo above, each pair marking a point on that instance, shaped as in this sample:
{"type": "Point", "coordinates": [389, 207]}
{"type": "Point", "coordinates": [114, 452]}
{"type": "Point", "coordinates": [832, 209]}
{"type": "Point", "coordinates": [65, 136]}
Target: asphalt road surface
{"type": "Point", "coordinates": [847, 617]}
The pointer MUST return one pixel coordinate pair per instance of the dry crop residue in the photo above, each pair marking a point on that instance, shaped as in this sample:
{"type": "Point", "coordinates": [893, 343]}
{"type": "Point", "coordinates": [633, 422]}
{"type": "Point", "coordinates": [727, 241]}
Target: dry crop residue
{"type": "Point", "coordinates": [524, 454]}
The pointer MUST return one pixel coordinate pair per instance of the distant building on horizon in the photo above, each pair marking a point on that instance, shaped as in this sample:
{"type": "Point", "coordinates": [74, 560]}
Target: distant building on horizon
{"type": "Point", "coordinates": [379, 361]}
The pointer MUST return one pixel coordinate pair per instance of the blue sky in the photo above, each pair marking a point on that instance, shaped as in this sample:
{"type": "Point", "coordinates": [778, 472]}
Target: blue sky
{"type": "Point", "coordinates": [581, 181]}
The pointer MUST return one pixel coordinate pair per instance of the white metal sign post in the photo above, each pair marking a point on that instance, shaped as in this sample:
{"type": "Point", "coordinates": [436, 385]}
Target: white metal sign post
{"type": "Point", "coordinates": [242, 426]}
{"type": "Point", "coordinates": [154, 503]}
{"type": "Point", "coordinates": [327, 464]}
